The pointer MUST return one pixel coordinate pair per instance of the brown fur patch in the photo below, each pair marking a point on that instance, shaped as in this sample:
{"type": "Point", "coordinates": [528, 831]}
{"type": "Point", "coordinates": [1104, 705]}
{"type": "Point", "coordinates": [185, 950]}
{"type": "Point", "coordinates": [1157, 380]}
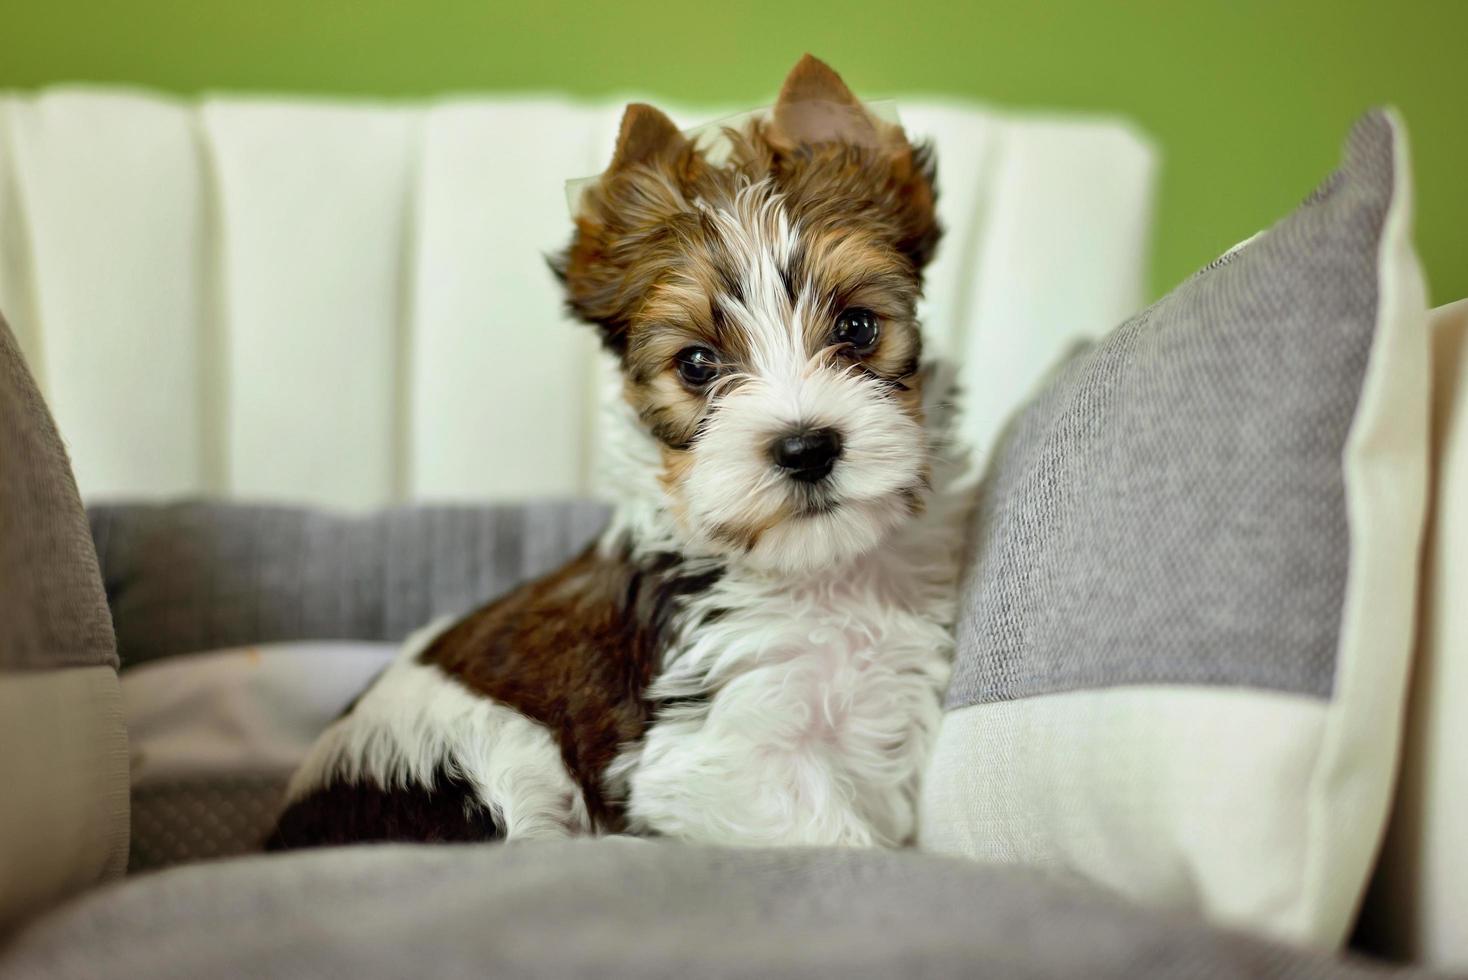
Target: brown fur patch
{"type": "Point", "coordinates": [677, 465]}
{"type": "Point", "coordinates": [575, 651]}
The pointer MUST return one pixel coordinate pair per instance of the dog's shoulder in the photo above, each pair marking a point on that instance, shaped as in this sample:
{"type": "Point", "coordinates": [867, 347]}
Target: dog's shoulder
{"type": "Point", "coordinates": [585, 639]}
{"type": "Point", "coordinates": [576, 650]}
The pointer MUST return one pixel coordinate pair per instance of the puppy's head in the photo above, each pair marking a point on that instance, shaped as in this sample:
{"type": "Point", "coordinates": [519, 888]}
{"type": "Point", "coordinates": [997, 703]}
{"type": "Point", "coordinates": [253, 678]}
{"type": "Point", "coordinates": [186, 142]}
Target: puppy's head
{"type": "Point", "coordinates": [763, 311]}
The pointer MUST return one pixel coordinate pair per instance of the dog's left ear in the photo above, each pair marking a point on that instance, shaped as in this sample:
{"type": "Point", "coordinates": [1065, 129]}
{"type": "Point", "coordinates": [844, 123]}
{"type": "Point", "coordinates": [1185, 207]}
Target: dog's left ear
{"type": "Point", "coordinates": [816, 109]}
{"type": "Point", "coordinates": [815, 106]}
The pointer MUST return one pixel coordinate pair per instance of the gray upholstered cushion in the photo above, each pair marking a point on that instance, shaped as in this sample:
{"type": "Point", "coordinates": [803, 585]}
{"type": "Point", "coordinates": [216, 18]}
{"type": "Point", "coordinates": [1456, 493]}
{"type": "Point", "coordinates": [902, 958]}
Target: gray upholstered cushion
{"type": "Point", "coordinates": [52, 610]}
{"type": "Point", "coordinates": [193, 576]}
{"type": "Point", "coordinates": [621, 908]}
{"type": "Point", "coordinates": [1171, 507]}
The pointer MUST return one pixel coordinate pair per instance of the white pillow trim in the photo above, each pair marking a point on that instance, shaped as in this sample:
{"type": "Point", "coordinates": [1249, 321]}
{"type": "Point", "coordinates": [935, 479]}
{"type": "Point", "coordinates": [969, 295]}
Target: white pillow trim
{"type": "Point", "coordinates": [1135, 787]}
{"type": "Point", "coordinates": [1385, 464]}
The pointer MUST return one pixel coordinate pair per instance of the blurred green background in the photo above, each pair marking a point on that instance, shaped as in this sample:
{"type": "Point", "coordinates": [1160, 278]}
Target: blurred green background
{"type": "Point", "coordinates": [1249, 100]}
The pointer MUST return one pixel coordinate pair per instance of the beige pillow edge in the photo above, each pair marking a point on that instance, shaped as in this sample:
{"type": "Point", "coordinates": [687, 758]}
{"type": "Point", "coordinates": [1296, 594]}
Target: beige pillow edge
{"type": "Point", "coordinates": [68, 830]}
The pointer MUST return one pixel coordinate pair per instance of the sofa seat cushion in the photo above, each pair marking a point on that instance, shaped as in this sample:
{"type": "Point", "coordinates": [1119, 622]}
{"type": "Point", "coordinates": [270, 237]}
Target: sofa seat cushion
{"type": "Point", "coordinates": [622, 907]}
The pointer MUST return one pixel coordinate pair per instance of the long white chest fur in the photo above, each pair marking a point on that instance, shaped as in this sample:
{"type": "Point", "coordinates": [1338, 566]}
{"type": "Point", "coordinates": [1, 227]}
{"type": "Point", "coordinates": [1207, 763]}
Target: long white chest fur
{"type": "Point", "coordinates": [802, 713]}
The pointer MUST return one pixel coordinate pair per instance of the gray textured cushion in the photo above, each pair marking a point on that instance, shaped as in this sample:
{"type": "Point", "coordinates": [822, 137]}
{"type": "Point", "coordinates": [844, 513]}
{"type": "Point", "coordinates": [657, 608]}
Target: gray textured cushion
{"type": "Point", "coordinates": [202, 817]}
{"type": "Point", "coordinates": [193, 576]}
{"type": "Point", "coordinates": [52, 610]}
{"type": "Point", "coordinates": [627, 909]}
{"type": "Point", "coordinates": [1171, 508]}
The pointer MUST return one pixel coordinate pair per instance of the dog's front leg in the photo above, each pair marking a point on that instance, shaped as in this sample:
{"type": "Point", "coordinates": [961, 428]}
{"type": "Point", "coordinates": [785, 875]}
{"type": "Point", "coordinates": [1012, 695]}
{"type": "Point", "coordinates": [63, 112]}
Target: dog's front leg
{"type": "Point", "coordinates": [788, 753]}
{"type": "Point", "coordinates": [710, 788]}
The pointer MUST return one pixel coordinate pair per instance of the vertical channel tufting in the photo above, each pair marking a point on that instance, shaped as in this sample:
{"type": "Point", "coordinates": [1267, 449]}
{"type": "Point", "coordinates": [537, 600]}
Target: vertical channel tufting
{"type": "Point", "coordinates": [313, 202]}
{"type": "Point", "coordinates": [17, 302]}
{"type": "Point", "coordinates": [1062, 253]}
{"type": "Point", "coordinates": [404, 320]}
{"type": "Point", "coordinates": [499, 377]}
{"type": "Point", "coordinates": [966, 140]}
{"type": "Point", "coordinates": [115, 261]}
{"type": "Point", "coordinates": [346, 304]}
{"type": "Point", "coordinates": [213, 341]}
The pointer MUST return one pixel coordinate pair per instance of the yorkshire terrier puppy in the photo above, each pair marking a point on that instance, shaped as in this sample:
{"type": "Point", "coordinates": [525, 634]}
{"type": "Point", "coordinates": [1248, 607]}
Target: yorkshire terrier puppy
{"type": "Point", "coordinates": [755, 650]}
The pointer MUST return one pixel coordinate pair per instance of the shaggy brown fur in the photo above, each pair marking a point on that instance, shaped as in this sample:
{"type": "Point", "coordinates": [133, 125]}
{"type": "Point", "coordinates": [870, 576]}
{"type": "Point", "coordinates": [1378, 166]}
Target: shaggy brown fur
{"type": "Point", "coordinates": [649, 269]}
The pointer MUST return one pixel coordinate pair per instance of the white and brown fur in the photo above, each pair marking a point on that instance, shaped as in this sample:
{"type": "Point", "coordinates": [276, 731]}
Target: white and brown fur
{"type": "Point", "coordinates": [743, 657]}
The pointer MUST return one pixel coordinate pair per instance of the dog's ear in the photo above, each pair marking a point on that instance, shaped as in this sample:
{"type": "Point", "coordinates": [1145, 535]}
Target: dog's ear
{"type": "Point", "coordinates": [828, 147]}
{"type": "Point", "coordinates": [815, 106]}
{"type": "Point", "coordinates": [620, 214]}
{"type": "Point", "coordinates": [646, 138]}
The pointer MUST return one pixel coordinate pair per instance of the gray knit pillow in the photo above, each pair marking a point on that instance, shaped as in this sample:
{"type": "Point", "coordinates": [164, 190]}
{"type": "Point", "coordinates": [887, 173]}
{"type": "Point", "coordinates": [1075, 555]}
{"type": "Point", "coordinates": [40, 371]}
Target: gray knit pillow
{"type": "Point", "coordinates": [1185, 630]}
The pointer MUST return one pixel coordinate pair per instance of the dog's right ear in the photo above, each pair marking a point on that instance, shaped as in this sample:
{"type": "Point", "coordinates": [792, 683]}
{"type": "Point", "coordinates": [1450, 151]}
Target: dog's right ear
{"type": "Point", "coordinates": [815, 106]}
{"type": "Point", "coordinates": [638, 193]}
{"type": "Point", "coordinates": [815, 109]}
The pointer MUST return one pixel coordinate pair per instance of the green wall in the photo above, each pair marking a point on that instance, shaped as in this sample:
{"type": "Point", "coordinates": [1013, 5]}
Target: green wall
{"type": "Point", "coordinates": [1249, 100]}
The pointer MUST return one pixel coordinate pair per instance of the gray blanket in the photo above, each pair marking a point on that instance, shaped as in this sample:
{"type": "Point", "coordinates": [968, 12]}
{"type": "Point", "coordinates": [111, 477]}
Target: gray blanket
{"type": "Point", "coordinates": [617, 908]}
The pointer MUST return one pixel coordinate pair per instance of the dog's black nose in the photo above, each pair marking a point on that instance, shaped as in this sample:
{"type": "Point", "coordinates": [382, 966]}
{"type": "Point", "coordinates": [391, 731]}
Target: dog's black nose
{"type": "Point", "coordinates": [807, 455]}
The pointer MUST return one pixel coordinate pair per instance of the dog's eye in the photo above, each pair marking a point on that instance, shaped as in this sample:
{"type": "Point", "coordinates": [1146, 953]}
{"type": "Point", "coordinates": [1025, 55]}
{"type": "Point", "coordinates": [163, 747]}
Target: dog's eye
{"type": "Point", "coordinates": [858, 328]}
{"type": "Point", "coordinates": [697, 366]}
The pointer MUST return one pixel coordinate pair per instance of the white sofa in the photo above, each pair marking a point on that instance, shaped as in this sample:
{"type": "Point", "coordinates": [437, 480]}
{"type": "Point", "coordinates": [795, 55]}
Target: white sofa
{"type": "Point", "coordinates": [314, 301]}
